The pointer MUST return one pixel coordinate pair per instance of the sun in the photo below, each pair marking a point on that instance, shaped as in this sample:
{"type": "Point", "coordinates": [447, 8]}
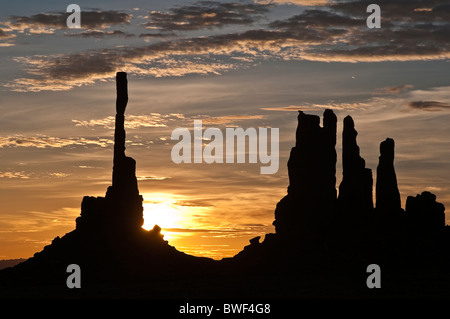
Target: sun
{"type": "Point", "coordinates": [173, 213]}
{"type": "Point", "coordinates": [163, 214]}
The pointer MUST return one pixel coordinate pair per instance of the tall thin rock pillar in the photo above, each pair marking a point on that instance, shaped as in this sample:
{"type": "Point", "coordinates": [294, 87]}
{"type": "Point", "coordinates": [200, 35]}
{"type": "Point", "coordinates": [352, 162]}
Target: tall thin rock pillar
{"type": "Point", "coordinates": [387, 194]}
{"type": "Point", "coordinates": [124, 201]}
{"type": "Point", "coordinates": [120, 211]}
{"type": "Point", "coordinates": [355, 203]}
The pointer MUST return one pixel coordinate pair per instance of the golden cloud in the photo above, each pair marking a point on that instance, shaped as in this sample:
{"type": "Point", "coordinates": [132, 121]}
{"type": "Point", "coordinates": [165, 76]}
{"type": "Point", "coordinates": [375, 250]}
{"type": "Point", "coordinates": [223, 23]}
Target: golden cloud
{"type": "Point", "coordinates": [133, 121]}
{"type": "Point", "coordinates": [44, 141]}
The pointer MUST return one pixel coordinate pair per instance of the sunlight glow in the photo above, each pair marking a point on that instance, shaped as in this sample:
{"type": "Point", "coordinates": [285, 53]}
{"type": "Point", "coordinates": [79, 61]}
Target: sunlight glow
{"type": "Point", "coordinates": [165, 215]}
{"type": "Point", "coordinates": [189, 223]}
{"type": "Point", "coordinates": [166, 211]}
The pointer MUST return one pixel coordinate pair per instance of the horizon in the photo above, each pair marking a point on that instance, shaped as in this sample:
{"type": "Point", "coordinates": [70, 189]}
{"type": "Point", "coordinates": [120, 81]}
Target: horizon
{"type": "Point", "coordinates": [253, 68]}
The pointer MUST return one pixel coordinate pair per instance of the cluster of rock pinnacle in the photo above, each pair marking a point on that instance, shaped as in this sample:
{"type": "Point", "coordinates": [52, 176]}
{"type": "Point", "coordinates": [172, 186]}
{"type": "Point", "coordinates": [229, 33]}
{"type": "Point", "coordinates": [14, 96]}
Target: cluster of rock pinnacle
{"type": "Point", "coordinates": [313, 216]}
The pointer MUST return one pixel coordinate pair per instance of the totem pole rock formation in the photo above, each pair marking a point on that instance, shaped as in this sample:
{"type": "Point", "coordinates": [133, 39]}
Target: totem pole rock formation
{"type": "Point", "coordinates": [121, 209]}
{"type": "Point", "coordinates": [109, 242]}
{"type": "Point", "coordinates": [124, 192]}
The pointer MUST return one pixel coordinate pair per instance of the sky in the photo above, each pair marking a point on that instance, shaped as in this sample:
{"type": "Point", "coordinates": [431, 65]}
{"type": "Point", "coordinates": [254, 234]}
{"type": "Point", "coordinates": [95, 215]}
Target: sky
{"type": "Point", "coordinates": [248, 64]}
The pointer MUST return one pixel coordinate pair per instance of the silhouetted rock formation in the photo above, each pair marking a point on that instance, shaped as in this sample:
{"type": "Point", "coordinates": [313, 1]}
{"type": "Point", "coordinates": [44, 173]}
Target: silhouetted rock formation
{"type": "Point", "coordinates": [109, 243]}
{"type": "Point", "coordinates": [321, 246]}
{"type": "Point", "coordinates": [389, 222]}
{"type": "Point", "coordinates": [303, 215]}
{"type": "Point", "coordinates": [349, 227]}
{"type": "Point", "coordinates": [121, 210]}
{"type": "Point", "coordinates": [354, 203]}
{"type": "Point", "coordinates": [6, 263]}
{"type": "Point", "coordinates": [425, 214]}
{"type": "Point", "coordinates": [387, 193]}
{"type": "Point", "coordinates": [355, 191]}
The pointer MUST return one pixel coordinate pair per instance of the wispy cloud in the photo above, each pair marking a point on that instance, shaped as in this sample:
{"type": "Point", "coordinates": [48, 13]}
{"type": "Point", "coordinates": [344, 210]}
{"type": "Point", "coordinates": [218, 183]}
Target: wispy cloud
{"type": "Point", "coordinates": [101, 34]}
{"type": "Point", "coordinates": [317, 18]}
{"type": "Point", "coordinates": [6, 35]}
{"type": "Point", "coordinates": [429, 105]}
{"type": "Point", "coordinates": [152, 178]}
{"type": "Point", "coordinates": [413, 11]}
{"type": "Point", "coordinates": [204, 14]}
{"type": "Point", "coordinates": [201, 55]}
{"type": "Point", "coordinates": [196, 203]}
{"type": "Point", "coordinates": [37, 221]}
{"type": "Point", "coordinates": [158, 34]}
{"type": "Point", "coordinates": [133, 121]}
{"type": "Point", "coordinates": [44, 141]}
{"type": "Point", "coordinates": [433, 99]}
{"type": "Point", "coordinates": [313, 107]}
{"type": "Point", "coordinates": [296, 2]}
{"type": "Point", "coordinates": [228, 119]}
{"type": "Point", "coordinates": [66, 71]}
{"type": "Point", "coordinates": [25, 175]}
{"type": "Point", "coordinates": [393, 89]}
{"type": "Point", "coordinates": [50, 22]}
{"type": "Point", "coordinates": [19, 175]}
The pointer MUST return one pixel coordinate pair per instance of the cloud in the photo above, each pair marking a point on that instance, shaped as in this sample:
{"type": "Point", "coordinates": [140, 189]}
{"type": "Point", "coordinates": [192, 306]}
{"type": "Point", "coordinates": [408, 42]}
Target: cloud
{"type": "Point", "coordinates": [228, 119]}
{"type": "Point", "coordinates": [49, 22]}
{"type": "Point", "coordinates": [37, 221]}
{"type": "Point", "coordinates": [201, 55]}
{"type": "Point", "coordinates": [404, 35]}
{"type": "Point", "coordinates": [19, 175]}
{"type": "Point", "coordinates": [315, 107]}
{"type": "Point", "coordinates": [156, 34]}
{"type": "Point", "coordinates": [89, 167]}
{"type": "Point", "coordinates": [152, 178]}
{"type": "Point", "coordinates": [429, 105]}
{"type": "Point", "coordinates": [133, 121]}
{"type": "Point", "coordinates": [396, 40]}
{"type": "Point", "coordinates": [25, 175]}
{"type": "Point", "coordinates": [204, 14]}
{"type": "Point", "coordinates": [179, 68]}
{"type": "Point", "coordinates": [101, 34]}
{"type": "Point", "coordinates": [44, 141]}
{"type": "Point", "coordinates": [414, 11]}
{"type": "Point", "coordinates": [382, 53]}
{"type": "Point", "coordinates": [393, 89]}
{"type": "Point", "coordinates": [317, 18]}
{"type": "Point", "coordinates": [295, 2]}
{"type": "Point", "coordinates": [197, 203]}
{"type": "Point", "coordinates": [4, 35]}
{"type": "Point", "coordinates": [58, 175]}
{"type": "Point", "coordinates": [335, 33]}
{"type": "Point", "coordinates": [66, 71]}
{"type": "Point", "coordinates": [163, 120]}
